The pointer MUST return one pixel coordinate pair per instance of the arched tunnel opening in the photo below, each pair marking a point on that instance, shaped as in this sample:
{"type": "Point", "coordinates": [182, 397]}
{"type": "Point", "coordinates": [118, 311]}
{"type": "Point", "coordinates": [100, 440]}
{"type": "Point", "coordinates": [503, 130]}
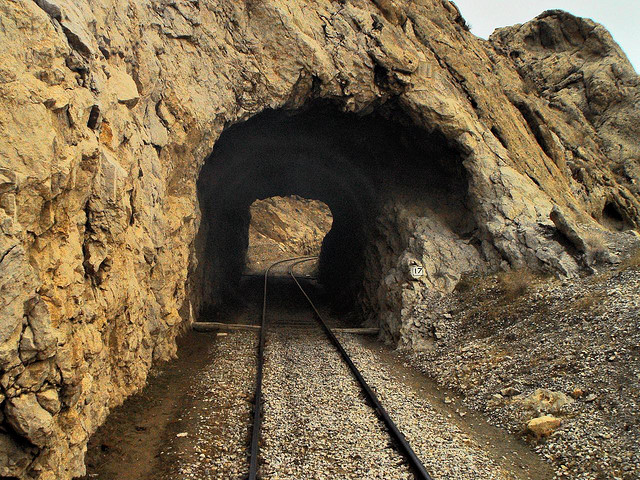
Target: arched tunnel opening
{"type": "Point", "coordinates": [282, 227]}
{"type": "Point", "coordinates": [365, 168]}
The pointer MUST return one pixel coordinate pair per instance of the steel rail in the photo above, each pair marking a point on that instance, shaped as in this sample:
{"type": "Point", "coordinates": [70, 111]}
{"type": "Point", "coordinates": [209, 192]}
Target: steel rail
{"type": "Point", "coordinates": [257, 406]}
{"type": "Point", "coordinates": [415, 464]}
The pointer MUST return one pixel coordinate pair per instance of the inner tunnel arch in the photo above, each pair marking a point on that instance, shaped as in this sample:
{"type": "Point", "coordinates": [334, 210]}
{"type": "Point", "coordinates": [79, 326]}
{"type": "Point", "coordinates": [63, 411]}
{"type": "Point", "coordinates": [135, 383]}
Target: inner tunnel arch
{"type": "Point", "coordinates": [283, 227]}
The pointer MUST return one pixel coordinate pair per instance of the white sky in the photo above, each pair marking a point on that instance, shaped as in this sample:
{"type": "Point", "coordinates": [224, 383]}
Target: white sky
{"type": "Point", "coordinates": [620, 17]}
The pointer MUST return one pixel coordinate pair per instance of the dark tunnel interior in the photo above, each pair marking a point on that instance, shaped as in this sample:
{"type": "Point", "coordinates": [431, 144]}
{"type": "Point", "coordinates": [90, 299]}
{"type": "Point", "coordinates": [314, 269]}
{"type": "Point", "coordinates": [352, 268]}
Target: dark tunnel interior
{"type": "Point", "coordinates": [353, 163]}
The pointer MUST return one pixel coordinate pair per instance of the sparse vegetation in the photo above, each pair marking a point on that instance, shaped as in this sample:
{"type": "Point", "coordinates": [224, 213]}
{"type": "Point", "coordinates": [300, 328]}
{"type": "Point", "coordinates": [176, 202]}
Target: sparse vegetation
{"type": "Point", "coordinates": [595, 241]}
{"type": "Point", "coordinates": [587, 303]}
{"type": "Point", "coordinates": [463, 23]}
{"type": "Point", "coordinates": [633, 261]}
{"type": "Point", "coordinates": [597, 246]}
{"type": "Point", "coordinates": [466, 283]}
{"type": "Point", "coordinates": [515, 283]}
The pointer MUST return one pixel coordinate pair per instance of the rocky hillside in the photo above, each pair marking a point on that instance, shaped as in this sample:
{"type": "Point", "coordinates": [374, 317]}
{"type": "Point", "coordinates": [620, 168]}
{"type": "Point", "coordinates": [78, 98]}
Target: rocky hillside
{"type": "Point", "coordinates": [576, 66]}
{"type": "Point", "coordinates": [555, 361]}
{"type": "Point", "coordinates": [283, 227]}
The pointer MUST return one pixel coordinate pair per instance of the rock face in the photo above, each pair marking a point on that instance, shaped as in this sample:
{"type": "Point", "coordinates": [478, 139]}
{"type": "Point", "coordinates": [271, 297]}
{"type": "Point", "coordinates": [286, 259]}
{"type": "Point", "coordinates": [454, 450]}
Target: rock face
{"type": "Point", "coordinates": [575, 65]}
{"type": "Point", "coordinates": [109, 109]}
{"type": "Point", "coordinates": [285, 227]}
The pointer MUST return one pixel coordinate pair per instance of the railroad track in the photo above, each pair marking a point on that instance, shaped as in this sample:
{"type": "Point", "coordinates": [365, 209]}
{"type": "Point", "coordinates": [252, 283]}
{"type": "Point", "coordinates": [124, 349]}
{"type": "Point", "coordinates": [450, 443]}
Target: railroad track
{"type": "Point", "coordinates": [399, 440]}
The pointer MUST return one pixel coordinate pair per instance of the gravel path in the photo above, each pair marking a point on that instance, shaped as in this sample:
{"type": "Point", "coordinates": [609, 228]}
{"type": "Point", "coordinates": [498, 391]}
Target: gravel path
{"type": "Point", "coordinates": [317, 425]}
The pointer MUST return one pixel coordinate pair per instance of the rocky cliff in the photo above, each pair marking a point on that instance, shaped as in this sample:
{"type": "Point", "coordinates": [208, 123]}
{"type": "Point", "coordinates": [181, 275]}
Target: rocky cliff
{"type": "Point", "coordinates": [108, 110]}
{"type": "Point", "coordinates": [577, 68]}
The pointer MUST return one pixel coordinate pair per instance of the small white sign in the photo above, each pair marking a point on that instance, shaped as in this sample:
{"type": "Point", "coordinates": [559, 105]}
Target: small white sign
{"type": "Point", "coordinates": [417, 271]}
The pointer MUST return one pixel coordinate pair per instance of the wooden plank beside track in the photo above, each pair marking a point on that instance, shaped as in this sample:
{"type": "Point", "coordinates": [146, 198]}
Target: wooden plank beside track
{"type": "Point", "coordinates": [225, 327]}
{"type": "Point", "coordinates": [217, 326]}
{"type": "Point", "coordinates": [358, 331]}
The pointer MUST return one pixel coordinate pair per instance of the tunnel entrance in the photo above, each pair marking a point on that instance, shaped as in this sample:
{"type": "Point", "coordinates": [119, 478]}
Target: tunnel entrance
{"type": "Point", "coordinates": [369, 170]}
{"type": "Point", "coordinates": [283, 227]}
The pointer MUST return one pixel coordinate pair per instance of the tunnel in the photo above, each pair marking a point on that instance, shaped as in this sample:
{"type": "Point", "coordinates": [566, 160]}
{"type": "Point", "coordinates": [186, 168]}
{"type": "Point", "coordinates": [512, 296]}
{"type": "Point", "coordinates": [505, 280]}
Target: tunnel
{"type": "Point", "coordinates": [286, 227]}
{"type": "Point", "coordinates": [359, 165]}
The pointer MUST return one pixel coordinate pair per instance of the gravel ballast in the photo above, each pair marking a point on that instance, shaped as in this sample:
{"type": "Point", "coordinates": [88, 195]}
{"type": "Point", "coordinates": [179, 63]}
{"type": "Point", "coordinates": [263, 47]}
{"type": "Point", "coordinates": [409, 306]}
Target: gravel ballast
{"type": "Point", "coordinates": [191, 421]}
{"type": "Point", "coordinates": [317, 425]}
{"type": "Point", "coordinates": [446, 445]}
{"type": "Point", "coordinates": [211, 437]}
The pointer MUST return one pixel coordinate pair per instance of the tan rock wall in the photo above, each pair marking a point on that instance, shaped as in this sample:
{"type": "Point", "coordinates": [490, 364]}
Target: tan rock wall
{"type": "Point", "coordinates": [577, 68]}
{"type": "Point", "coordinates": [107, 112]}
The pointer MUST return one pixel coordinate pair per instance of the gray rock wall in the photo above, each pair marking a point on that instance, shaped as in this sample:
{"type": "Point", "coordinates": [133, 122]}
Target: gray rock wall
{"type": "Point", "coordinates": [578, 69]}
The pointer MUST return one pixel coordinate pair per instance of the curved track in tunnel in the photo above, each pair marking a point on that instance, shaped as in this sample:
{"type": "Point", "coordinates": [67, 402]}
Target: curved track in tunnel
{"type": "Point", "coordinates": [399, 440]}
{"type": "Point", "coordinates": [257, 409]}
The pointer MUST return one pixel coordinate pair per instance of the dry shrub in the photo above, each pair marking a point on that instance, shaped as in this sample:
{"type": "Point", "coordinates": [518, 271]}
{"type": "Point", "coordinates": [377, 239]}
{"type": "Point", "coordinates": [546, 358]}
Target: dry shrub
{"type": "Point", "coordinates": [515, 283]}
{"type": "Point", "coordinates": [633, 261]}
{"type": "Point", "coordinates": [466, 283]}
{"type": "Point", "coordinates": [583, 304]}
{"type": "Point", "coordinates": [596, 243]}
{"type": "Point", "coordinates": [588, 302]}
{"type": "Point", "coordinates": [463, 23]}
